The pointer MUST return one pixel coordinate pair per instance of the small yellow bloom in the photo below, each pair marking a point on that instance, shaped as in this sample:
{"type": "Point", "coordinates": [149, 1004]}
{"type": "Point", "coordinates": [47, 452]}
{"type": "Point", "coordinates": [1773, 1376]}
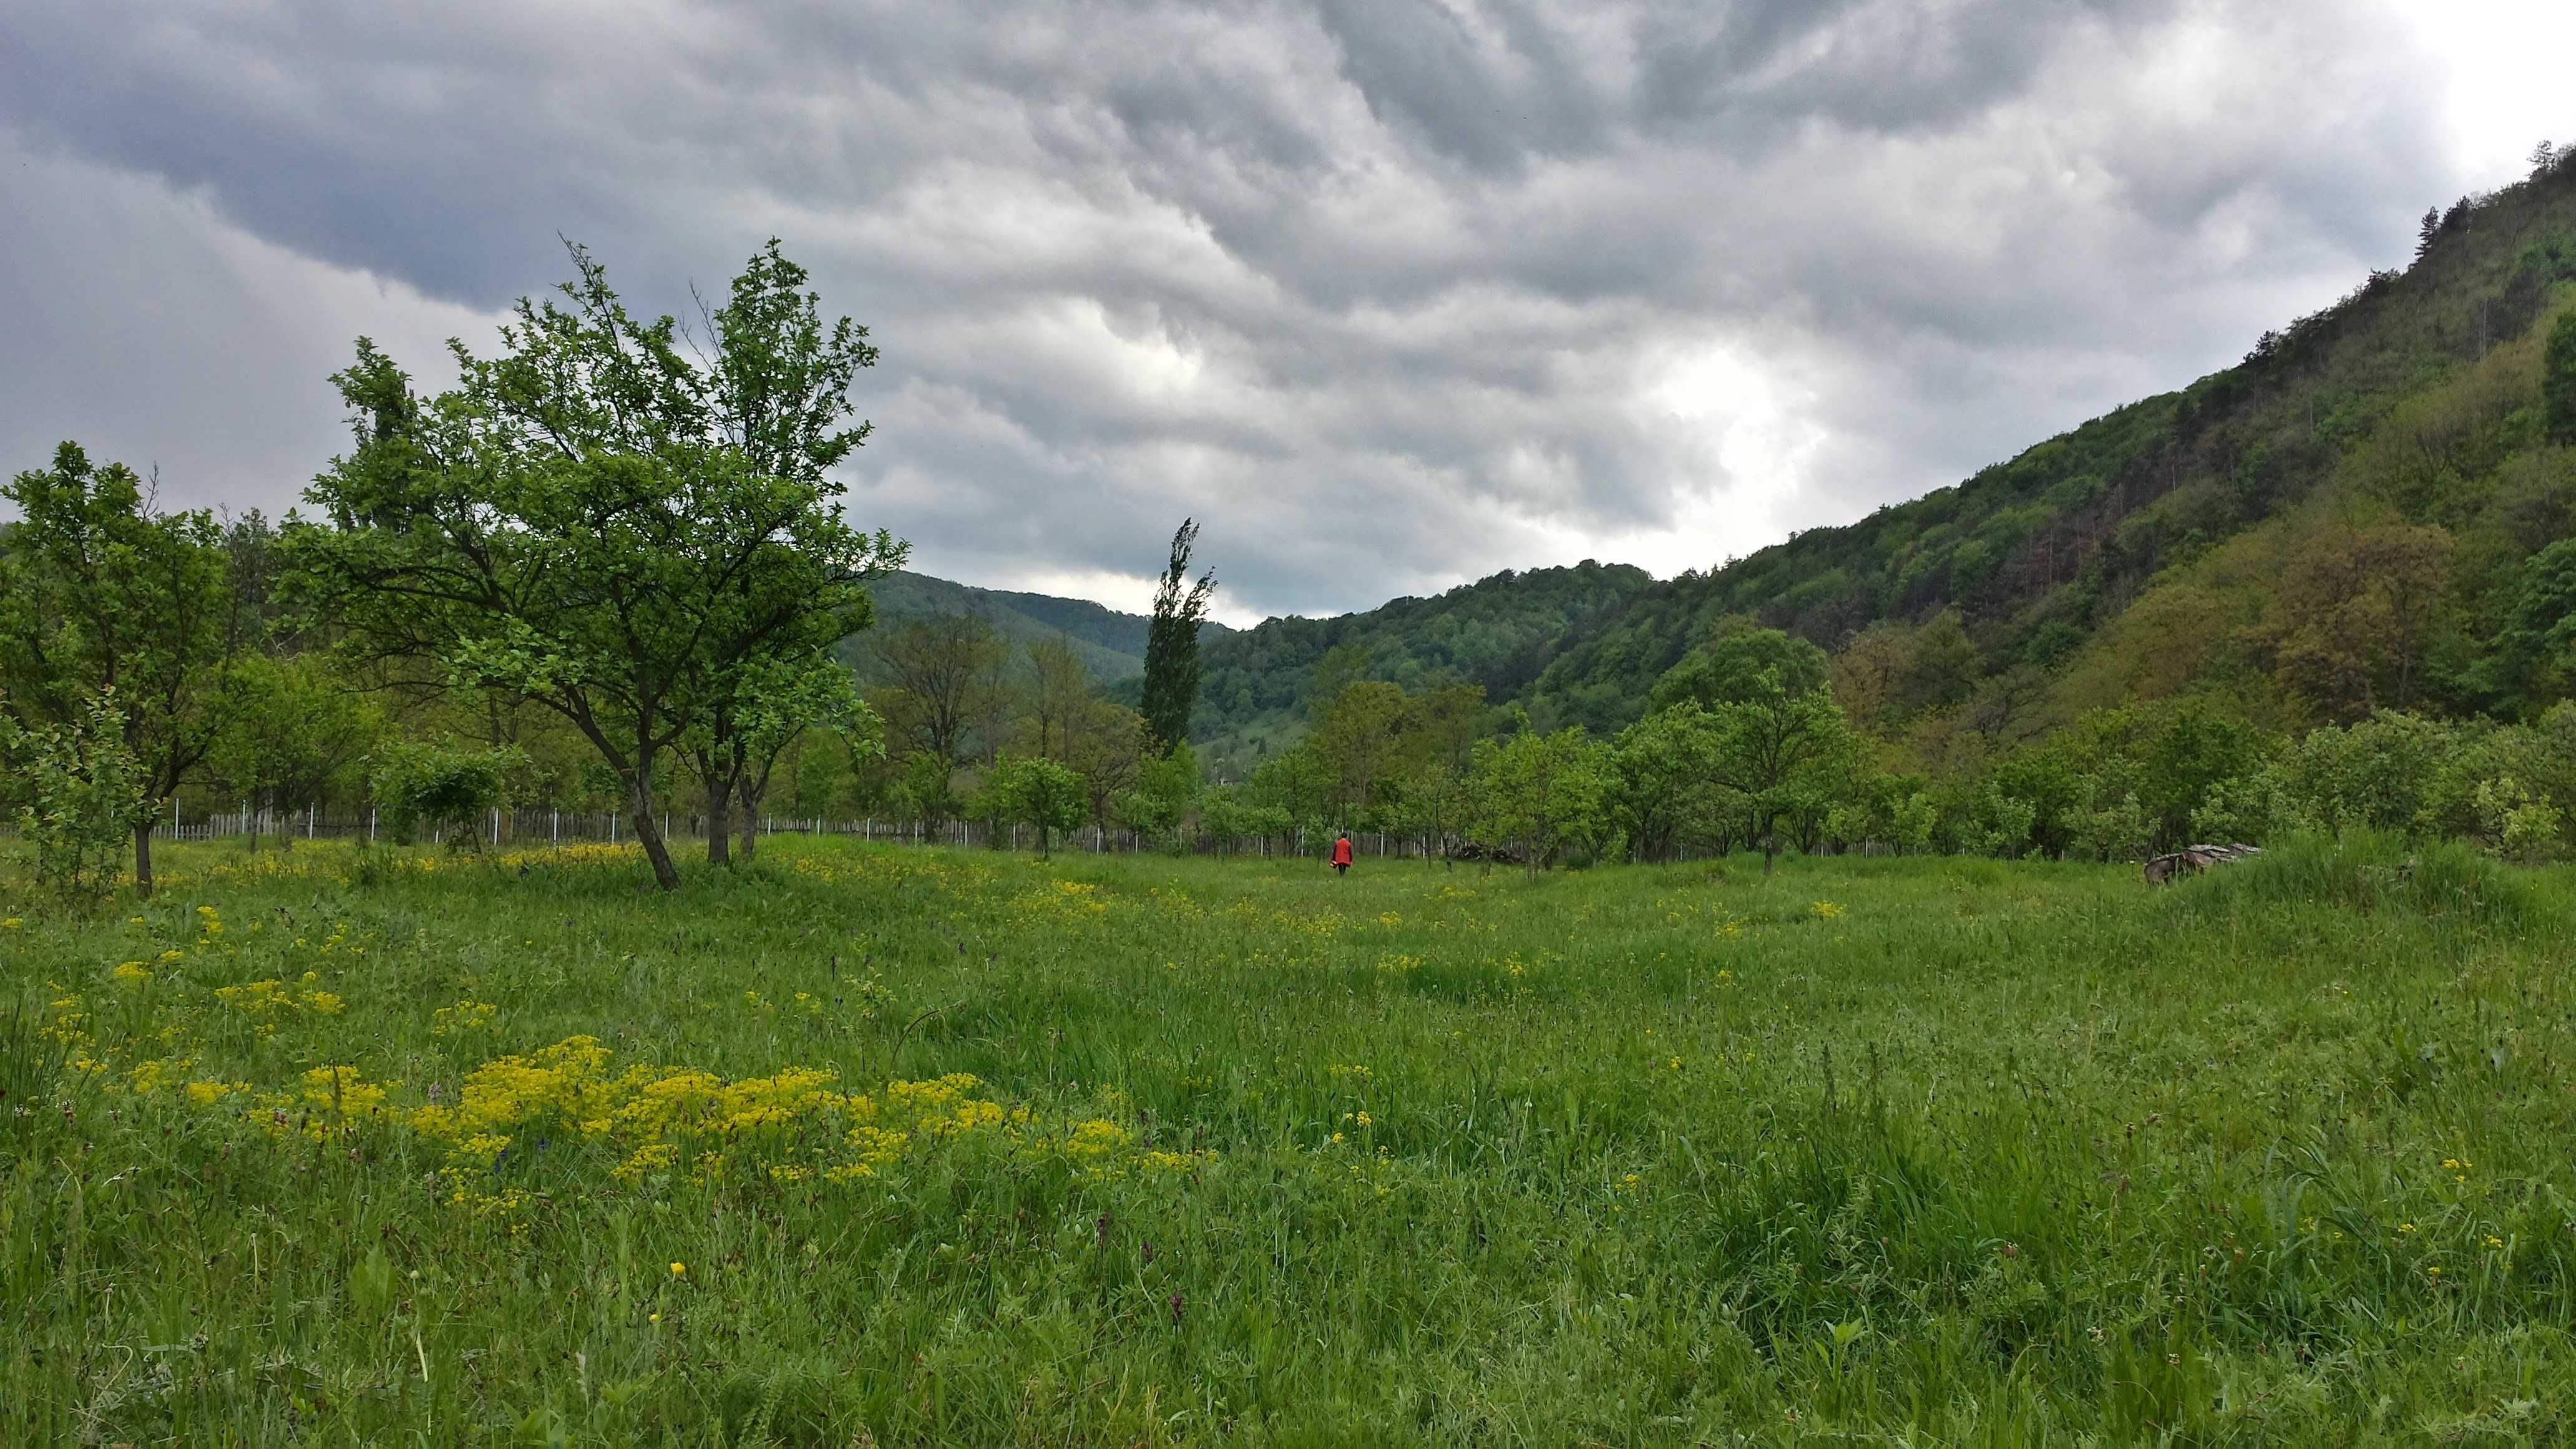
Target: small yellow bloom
{"type": "Point", "coordinates": [11, 924]}
{"type": "Point", "coordinates": [656, 1318]}
{"type": "Point", "coordinates": [679, 1269]}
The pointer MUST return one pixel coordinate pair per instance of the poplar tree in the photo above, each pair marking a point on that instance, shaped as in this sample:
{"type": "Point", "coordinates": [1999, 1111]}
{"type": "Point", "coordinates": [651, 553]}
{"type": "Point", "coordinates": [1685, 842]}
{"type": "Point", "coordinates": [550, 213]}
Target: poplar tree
{"type": "Point", "coordinates": [1172, 645]}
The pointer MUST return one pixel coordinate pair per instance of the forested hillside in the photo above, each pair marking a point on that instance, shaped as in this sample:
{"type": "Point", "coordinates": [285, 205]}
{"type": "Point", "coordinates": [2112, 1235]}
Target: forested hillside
{"type": "Point", "coordinates": [1255, 685]}
{"type": "Point", "coordinates": [1112, 644]}
{"type": "Point", "coordinates": [2340, 522]}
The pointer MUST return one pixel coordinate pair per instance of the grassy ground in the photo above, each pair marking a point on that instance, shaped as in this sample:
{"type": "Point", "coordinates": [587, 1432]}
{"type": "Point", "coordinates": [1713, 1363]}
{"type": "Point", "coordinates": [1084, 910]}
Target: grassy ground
{"type": "Point", "coordinates": [868, 1146]}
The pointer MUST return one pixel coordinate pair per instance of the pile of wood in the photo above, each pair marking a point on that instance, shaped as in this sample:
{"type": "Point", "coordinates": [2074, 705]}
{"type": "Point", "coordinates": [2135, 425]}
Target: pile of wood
{"type": "Point", "coordinates": [2192, 860]}
{"type": "Point", "coordinates": [1505, 854]}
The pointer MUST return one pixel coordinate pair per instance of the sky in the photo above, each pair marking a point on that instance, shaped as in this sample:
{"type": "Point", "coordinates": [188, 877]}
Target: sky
{"type": "Point", "coordinates": [1387, 294]}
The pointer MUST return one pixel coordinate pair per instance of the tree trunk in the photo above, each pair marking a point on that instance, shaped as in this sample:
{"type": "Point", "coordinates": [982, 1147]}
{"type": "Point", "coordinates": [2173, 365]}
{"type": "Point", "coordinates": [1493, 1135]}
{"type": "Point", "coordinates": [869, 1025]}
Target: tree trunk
{"type": "Point", "coordinates": [648, 833]}
{"type": "Point", "coordinates": [143, 858]}
{"type": "Point", "coordinates": [719, 822]}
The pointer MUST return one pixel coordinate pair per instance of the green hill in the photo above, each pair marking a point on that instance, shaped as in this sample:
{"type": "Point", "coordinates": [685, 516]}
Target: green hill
{"type": "Point", "coordinates": [1498, 632]}
{"type": "Point", "coordinates": [2244, 536]}
{"type": "Point", "coordinates": [1112, 643]}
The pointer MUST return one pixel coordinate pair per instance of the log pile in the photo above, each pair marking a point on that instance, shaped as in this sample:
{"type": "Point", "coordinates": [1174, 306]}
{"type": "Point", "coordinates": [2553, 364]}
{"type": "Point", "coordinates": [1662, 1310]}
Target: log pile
{"type": "Point", "coordinates": [2192, 860]}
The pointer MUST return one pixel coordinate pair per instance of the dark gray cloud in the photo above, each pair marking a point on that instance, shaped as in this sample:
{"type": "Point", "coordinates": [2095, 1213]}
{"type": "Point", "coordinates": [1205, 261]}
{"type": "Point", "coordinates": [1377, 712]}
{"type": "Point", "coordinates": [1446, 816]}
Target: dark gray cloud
{"type": "Point", "coordinates": [1389, 293]}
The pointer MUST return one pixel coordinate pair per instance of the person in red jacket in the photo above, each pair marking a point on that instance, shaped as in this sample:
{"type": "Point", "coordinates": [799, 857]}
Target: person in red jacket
{"type": "Point", "coordinates": [1342, 853]}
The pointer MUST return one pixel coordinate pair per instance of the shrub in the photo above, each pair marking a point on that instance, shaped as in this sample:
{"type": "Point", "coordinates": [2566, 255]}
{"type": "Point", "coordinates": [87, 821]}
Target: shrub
{"type": "Point", "coordinates": [85, 798]}
{"type": "Point", "coordinates": [441, 791]}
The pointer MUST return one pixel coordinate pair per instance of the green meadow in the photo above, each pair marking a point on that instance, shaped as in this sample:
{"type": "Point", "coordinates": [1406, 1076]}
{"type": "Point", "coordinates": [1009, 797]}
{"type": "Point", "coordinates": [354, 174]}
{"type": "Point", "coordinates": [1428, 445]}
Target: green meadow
{"type": "Point", "coordinates": [886, 1146]}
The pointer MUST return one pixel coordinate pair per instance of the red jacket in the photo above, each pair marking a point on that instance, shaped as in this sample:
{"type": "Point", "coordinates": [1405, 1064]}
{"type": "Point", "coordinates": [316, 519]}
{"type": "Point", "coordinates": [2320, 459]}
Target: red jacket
{"type": "Point", "coordinates": [1342, 851]}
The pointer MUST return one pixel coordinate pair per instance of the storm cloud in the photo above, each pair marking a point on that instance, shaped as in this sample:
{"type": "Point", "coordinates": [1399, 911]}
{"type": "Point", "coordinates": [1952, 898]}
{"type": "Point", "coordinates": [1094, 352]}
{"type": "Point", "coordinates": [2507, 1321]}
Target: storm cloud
{"type": "Point", "coordinates": [1388, 293]}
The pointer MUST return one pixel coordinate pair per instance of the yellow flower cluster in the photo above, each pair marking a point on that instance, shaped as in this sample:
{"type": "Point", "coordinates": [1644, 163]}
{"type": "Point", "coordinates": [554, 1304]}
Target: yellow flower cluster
{"type": "Point", "coordinates": [1825, 911]}
{"type": "Point", "coordinates": [463, 1017]}
{"type": "Point", "coordinates": [792, 1125]}
{"type": "Point", "coordinates": [268, 1002]}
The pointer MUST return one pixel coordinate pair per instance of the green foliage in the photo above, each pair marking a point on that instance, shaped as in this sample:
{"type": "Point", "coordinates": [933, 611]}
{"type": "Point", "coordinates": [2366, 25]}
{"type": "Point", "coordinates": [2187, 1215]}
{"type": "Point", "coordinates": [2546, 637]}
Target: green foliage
{"type": "Point", "coordinates": [297, 735]}
{"type": "Point", "coordinates": [441, 792]}
{"type": "Point", "coordinates": [1741, 662]}
{"type": "Point", "coordinates": [1172, 645]}
{"type": "Point", "coordinates": [1298, 784]}
{"type": "Point", "coordinates": [1497, 633]}
{"type": "Point", "coordinates": [928, 791]}
{"type": "Point", "coordinates": [84, 797]}
{"type": "Point", "coordinates": [596, 522]}
{"type": "Point", "coordinates": [2558, 381]}
{"type": "Point", "coordinates": [1785, 752]}
{"type": "Point", "coordinates": [1659, 785]}
{"type": "Point", "coordinates": [1041, 794]}
{"type": "Point", "coordinates": [1542, 793]}
{"type": "Point", "coordinates": [97, 592]}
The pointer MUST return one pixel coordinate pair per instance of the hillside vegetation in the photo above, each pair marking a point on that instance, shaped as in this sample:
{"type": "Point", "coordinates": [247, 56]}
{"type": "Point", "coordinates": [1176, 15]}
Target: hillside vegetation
{"type": "Point", "coordinates": [1256, 687]}
{"type": "Point", "coordinates": [2337, 524]}
{"type": "Point", "coordinates": [1111, 644]}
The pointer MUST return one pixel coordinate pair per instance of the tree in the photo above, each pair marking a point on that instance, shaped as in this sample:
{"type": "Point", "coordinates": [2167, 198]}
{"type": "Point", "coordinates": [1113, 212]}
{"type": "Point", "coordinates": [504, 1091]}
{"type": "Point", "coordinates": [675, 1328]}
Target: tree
{"type": "Point", "coordinates": [1732, 665]}
{"type": "Point", "coordinates": [775, 385]}
{"type": "Point", "coordinates": [2428, 231]}
{"type": "Point", "coordinates": [1657, 781]}
{"type": "Point", "coordinates": [1059, 687]}
{"type": "Point", "coordinates": [1541, 792]}
{"type": "Point", "coordinates": [100, 593]}
{"type": "Point", "coordinates": [1438, 799]}
{"type": "Point", "coordinates": [1361, 737]}
{"type": "Point", "coordinates": [778, 701]}
{"type": "Point", "coordinates": [1172, 644]}
{"type": "Point", "coordinates": [929, 791]}
{"type": "Point", "coordinates": [1044, 794]}
{"type": "Point", "coordinates": [1785, 750]}
{"type": "Point", "coordinates": [1299, 783]}
{"type": "Point", "coordinates": [2540, 633]}
{"type": "Point", "coordinates": [2558, 380]}
{"type": "Point", "coordinates": [1107, 745]}
{"type": "Point", "coordinates": [595, 522]}
{"type": "Point", "coordinates": [85, 796]}
{"type": "Point", "coordinates": [2355, 609]}
{"type": "Point", "coordinates": [297, 733]}
{"type": "Point", "coordinates": [938, 666]}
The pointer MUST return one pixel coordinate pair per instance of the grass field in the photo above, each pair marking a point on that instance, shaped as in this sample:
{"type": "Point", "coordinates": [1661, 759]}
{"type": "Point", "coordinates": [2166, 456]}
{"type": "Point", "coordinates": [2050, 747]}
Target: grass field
{"type": "Point", "coordinates": [870, 1146]}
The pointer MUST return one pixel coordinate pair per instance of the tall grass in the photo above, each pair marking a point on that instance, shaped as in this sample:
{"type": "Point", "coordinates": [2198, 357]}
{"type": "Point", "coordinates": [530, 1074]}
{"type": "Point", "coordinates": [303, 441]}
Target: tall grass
{"type": "Point", "coordinates": [2365, 871]}
{"type": "Point", "coordinates": [1867, 1151]}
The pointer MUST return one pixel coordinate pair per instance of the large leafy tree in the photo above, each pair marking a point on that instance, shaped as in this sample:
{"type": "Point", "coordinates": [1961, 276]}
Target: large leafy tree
{"type": "Point", "coordinates": [1657, 782]}
{"type": "Point", "coordinates": [1541, 791]}
{"type": "Point", "coordinates": [1785, 751]}
{"type": "Point", "coordinates": [101, 592]}
{"type": "Point", "coordinates": [1172, 644]}
{"type": "Point", "coordinates": [602, 523]}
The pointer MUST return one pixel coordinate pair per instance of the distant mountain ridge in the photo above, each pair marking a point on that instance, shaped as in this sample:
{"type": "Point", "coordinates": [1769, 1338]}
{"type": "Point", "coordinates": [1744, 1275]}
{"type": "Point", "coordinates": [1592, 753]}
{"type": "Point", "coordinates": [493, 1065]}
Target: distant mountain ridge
{"type": "Point", "coordinates": [1110, 642]}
